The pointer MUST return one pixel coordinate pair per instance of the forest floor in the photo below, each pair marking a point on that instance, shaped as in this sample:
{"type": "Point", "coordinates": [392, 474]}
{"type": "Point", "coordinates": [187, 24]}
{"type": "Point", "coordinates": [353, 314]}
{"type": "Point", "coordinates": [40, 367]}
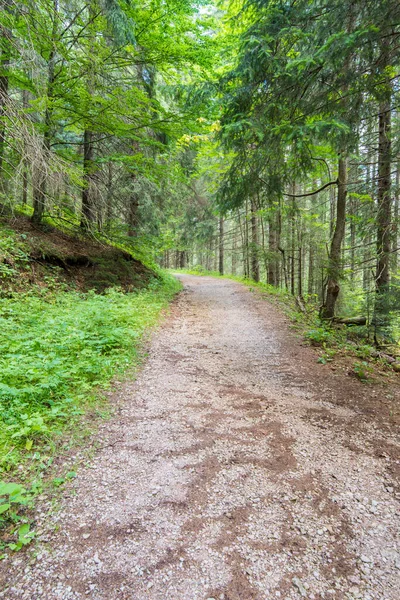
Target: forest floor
{"type": "Point", "coordinates": [235, 467]}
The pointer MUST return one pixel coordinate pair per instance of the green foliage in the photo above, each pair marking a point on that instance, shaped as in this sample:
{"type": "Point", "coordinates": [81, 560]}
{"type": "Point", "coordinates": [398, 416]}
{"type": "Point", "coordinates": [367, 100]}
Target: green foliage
{"type": "Point", "coordinates": [14, 253]}
{"type": "Point", "coordinates": [14, 498]}
{"type": "Point", "coordinates": [362, 371]}
{"type": "Point", "coordinates": [319, 336]}
{"type": "Point", "coordinates": [57, 347]}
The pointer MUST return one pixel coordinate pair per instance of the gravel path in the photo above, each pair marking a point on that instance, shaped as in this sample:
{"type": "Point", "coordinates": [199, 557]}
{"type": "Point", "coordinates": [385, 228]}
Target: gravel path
{"type": "Point", "coordinates": [236, 468]}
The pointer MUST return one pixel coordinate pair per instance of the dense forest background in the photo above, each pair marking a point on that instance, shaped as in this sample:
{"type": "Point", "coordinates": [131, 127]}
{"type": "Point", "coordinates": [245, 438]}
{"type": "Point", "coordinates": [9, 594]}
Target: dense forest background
{"type": "Point", "coordinates": [255, 138]}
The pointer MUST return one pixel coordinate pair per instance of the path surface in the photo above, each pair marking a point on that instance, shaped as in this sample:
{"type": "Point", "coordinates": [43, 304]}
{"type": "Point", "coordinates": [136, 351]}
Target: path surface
{"type": "Point", "coordinates": [236, 468]}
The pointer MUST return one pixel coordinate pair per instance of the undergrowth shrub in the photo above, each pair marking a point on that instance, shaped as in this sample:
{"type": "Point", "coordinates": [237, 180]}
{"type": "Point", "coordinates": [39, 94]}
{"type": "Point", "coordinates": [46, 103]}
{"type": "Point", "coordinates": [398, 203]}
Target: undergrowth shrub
{"type": "Point", "coordinates": [318, 336]}
{"type": "Point", "coordinates": [57, 347]}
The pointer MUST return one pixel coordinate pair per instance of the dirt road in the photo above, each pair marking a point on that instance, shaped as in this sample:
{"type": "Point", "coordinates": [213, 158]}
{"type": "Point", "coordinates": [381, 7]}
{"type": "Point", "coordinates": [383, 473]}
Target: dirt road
{"type": "Point", "coordinates": [236, 468]}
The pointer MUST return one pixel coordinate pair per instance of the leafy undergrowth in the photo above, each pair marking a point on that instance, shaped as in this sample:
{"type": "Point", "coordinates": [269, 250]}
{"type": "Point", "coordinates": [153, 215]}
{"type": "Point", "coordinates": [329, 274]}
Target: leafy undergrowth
{"type": "Point", "coordinates": [349, 346]}
{"type": "Point", "coordinates": [60, 348]}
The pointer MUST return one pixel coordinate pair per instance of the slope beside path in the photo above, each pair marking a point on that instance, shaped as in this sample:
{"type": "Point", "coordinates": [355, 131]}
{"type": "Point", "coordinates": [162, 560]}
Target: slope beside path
{"type": "Point", "coordinates": [235, 468]}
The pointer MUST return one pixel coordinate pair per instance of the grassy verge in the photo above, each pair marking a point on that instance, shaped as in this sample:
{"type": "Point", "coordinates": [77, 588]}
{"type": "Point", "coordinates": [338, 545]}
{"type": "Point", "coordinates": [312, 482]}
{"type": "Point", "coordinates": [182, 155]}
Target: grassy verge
{"type": "Point", "coordinates": [58, 350]}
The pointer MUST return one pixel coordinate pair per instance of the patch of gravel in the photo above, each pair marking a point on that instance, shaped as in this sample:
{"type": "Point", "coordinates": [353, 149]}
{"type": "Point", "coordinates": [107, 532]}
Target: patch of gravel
{"type": "Point", "coordinates": [233, 471]}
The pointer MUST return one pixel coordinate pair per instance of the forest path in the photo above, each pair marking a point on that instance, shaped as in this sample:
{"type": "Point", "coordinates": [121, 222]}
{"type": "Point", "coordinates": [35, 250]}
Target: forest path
{"type": "Point", "coordinates": [235, 468]}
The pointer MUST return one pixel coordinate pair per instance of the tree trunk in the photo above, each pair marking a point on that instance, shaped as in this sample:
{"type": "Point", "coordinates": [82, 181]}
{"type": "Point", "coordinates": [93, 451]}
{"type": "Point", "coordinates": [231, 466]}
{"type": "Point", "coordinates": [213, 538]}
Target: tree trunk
{"type": "Point", "coordinates": [383, 237]}
{"type": "Point", "coordinates": [284, 268]}
{"type": "Point", "coordinates": [25, 169]}
{"type": "Point", "coordinates": [216, 249]}
{"type": "Point", "coordinates": [88, 211]}
{"type": "Point", "coordinates": [273, 244]}
{"type": "Point", "coordinates": [353, 213]}
{"type": "Point", "coordinates": [5, 52]}
{"type": "Point", "coordinates": [242, 235]}
{"type": "Point", "coordinates": [292, 240]}
{"type": "Point", "coordinates": [221, 245]}
{"type": "Point", "coordinates": [277, 244]}
{"type": "Point", "coordinates": [40, 183]}
{"type": "Point", "coordinates": [334, 261]}
{"type": "Point", "coordinates": [332, 211]}
{"type": "Point", "coordinates": [234, 247]}
{"type": "Point", "coordinates": [300, 274]}
{"type": "Point", "coordinates": [88, 215]}
{"type": "Point", "coordinates": [395, 251]}
{"type": "Point", "coordinates": [247, 237]}
{"type": "Point", "coordinates": [370, 178]}
{"type": "Point", "coordinates": [133, 216]}
{"type": "Point", "coordinates": [255, 268]}
{"type": "Point", "coordinates": [310, 287]}
{"type": "Point", "coordinates": [109, 195]}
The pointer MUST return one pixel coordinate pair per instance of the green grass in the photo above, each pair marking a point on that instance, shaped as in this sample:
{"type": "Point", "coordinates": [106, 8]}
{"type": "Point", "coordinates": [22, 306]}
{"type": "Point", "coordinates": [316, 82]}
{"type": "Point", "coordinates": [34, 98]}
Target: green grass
{"type": "Point", "coordinates": [56, 347]}
{"type": "Point", "coordinates": [58, 350]}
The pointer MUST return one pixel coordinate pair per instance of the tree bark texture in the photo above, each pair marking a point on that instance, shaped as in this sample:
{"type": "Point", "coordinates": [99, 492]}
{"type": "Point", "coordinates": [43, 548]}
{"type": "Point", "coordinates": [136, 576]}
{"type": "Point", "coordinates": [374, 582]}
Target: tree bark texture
{"type": "Point", "coordinates": [383, 233]}
{"type": "Point", "coordinates": [88, 210]}
{"type": "Point", "coordinates": [255, 268]}
{"type": "Point", "coordinates": [5, 54]}
{"type": "Point", "coordinates": [221, 245]}
{"type": "Point", "coordinates": [40, 178]}
{"type": "Point", "coordinates": [334, 262]}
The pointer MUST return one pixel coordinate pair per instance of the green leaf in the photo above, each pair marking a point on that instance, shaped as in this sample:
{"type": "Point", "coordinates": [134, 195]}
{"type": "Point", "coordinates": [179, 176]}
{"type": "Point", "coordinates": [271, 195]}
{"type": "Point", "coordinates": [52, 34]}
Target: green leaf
{"type": "Point", "coordinates": [8, 489]}
{"type": "Point", "coordinates": [4, 508]}
{"type": "Point", "coordinates": [23, 530]}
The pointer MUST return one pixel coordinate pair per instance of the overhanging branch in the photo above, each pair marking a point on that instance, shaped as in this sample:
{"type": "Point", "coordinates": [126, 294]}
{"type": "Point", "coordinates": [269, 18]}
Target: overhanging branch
{"type": "Point", "coordinates": [312, 193]}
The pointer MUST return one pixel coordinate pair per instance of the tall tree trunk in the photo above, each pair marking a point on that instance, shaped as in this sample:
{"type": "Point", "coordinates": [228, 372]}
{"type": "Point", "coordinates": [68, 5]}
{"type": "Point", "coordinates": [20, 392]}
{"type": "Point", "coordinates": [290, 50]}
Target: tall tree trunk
{"type": "Point", "coordinates": [255, 267]}
{"type": "Point", "coordinates": [383, 237]}
{"type": "Point", "coordinates": [242, 235]}
{"type": "Point", "coordinates": [109, 195]}
{"type": "Point", "coordinates": [395, 251]}
{"type": "Point", "coordinates": [221, 245]}
{"type": "Point", "coordinates": [88, 214]}
{"type": "Point", "coordinates": [300, 274]}
{"type": "Point", "coordinates": [216, 248]}
{"type": "Point", "coordinates": [353, 213]}
{"type": "Point", "coordinates": [25, 163]}
{"type": "Point", "coordinates": [384, 201]}
{"type": "Point", "coordinates": [273, 244]}
{"type": "Point", "coordinates": [334, 261]}
{"type": "Point", "coordinates": [277, 245]}
{"type": "Point", "coordinates": [370, 180]}
{"type": "Point", "coordinates": [40, 178]}
{"type": "Point", "coordinates": [247, 237]}
{"type": "Point", "coordinates": [300, 236]}
{"type": "Point", "coordinates": [310, 285]}
{"type": "Point", "coordinates": [292, 240]}
{"type": "Point", "coordinates": [332, 211]}
{"type": "Point", "coordinates": [209, 255]}
{"type": "Point", "coordinates": [5, 51]}
{"type": "Point", "coordinates": [133, 216]}
{"type": "Point", "coordinates": [272, 279]}
{"type": "Point", "coordinates": [234, 247]}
